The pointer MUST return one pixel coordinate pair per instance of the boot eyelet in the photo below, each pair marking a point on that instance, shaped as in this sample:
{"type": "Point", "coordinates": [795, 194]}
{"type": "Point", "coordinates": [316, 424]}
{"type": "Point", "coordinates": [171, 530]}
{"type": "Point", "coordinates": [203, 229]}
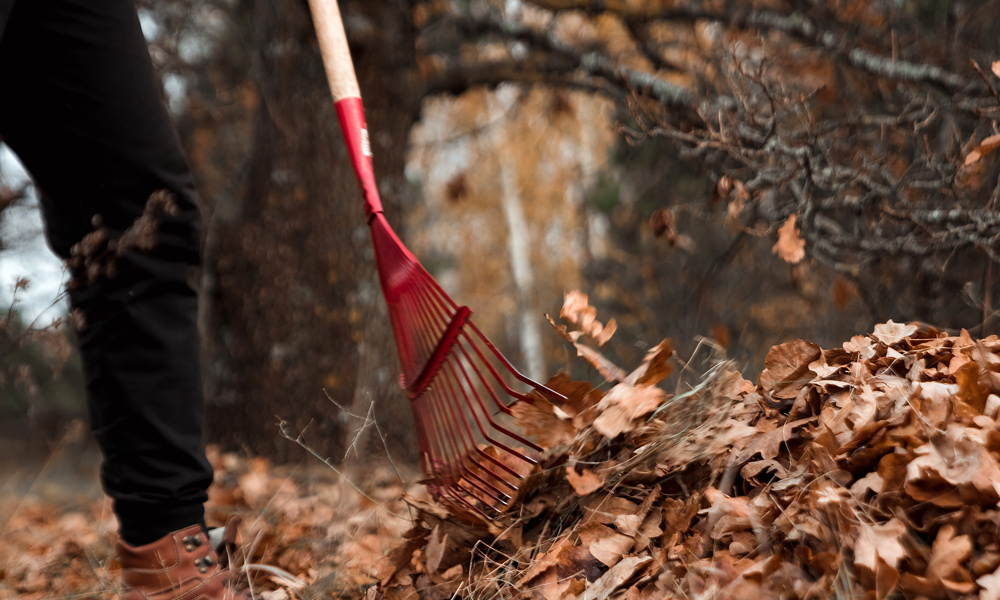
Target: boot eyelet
{"type": "Point", "coordinates": [203, 564]}
{"type": "Point", "coordinates": [191, 542]}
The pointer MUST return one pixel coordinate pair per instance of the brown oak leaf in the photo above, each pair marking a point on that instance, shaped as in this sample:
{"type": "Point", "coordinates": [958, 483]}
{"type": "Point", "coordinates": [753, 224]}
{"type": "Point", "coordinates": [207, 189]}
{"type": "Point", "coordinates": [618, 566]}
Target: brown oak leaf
{"type": "Point", "coordinates": [890, 333]}
{"type": "Point", "coordinates": [880, 542]}
{"type": "Point", "coordinates": [617, 576]}
{"type": "Point", "coordinates": [654, 367]}
{"type": "Point", "coordinates": [990, 583]}
{"type": "Point", "coordinates": [790, 247]}
{"type": "Point", "coordinates": [786, 367]}
{"type": "Point", "coordinates": [577, 310]}
{"type": "Point", "coordinates": [606, 544]}
{"type": "Point", "coordinates": [983, 149]}
{"type": "Point", "coordinates": [860, 345]}
{"type": "Point", "coordinates": [623, 405]}
{"type": "Point", "coordinates": [549, 425]}
{"type": "Point", "coordinates": [585, 482]}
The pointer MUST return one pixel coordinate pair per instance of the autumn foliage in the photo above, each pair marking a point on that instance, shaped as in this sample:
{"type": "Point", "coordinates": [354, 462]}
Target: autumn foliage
{"type": "Point", "coordinates": [867, 471]}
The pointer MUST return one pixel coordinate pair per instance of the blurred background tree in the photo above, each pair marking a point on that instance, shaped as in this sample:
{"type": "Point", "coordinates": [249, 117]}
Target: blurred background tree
{"type": "Point", "coordinates": [750, 171]}
{"type": "Point", "coordinates": [291, 304]}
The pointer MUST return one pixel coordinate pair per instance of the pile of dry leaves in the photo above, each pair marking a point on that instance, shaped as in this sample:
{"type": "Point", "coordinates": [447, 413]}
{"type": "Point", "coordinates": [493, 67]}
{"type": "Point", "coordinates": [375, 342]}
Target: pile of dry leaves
{"type": "Point", "coordinates": [865, 471]}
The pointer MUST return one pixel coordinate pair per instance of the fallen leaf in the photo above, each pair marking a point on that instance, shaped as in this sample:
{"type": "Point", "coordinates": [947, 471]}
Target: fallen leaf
{"type": "Point", "coordinates": [768, 443]}
{"type": "Point", "coordinates": [585, 482]}
{"type": "Point", "coordinates": [605, 543]}
{"type": "Point", "coordinates": [540, 419]}
{"type": "Point", "coordinates": [606, 508]}
{"type": "Point", "coordinates": [786, 367]}
{"type": "Point", "coordinates": [577, 310]}
{"type": "Point", "coordinates": [654, 367]}
{"type": "Point", "coordinates": [548, 586]}
{"type": "Point", "coordinates": [620, 407]}
{"type": "Point", "coordinates": [610, 371]}
{"type": "Point", "coordinates": [823, 370]}
{"type": "Point", "coordinates": [862, 346]}
{"type": "Point", "coordinates": [872, 482]}
{"type": "Point", "coordinates": [953, 462]}
{"type": "Point", "coordinates": [890, 333]}
{"type": "Point", "coordinates": [790, 247]}
{"type": "Point", "coordinates": [948, 553]}
{"type": "Point", "coordinates": [579, 394]}
{"type": "Point", "coordinates": [970, 391]}
{"type": "Point", "coordinates": [728, 514]}
{"type": "Point", "coordinates": [617, 576]}
{"type": "Point", "coordinates": [564, 332]}
{"type": "Point", "coordinates": [985, 148]}
{"type": "Point", "coordinates": [751, 470]}
{"type": "Point", "coordinates": [435, 548]}
{"type": "Point", "coordinates": [882, 541]}
{"type": "Point", "coordinates": [990, 583]}
{"type": "Point", "coordinates": [543, 561]}
{"type": "Point", "coordinates": [577, 561]}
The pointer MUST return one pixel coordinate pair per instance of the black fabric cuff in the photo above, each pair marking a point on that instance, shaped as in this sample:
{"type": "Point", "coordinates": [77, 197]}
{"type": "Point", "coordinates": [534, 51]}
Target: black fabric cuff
{"type": "Point", "coordinates": [141, 523]}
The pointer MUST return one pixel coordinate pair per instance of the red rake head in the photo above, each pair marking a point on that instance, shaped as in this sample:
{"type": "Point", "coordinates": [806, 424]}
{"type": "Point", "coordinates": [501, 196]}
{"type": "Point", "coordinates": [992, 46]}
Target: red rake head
{"type": "Point", "coordinates": [459, 386]}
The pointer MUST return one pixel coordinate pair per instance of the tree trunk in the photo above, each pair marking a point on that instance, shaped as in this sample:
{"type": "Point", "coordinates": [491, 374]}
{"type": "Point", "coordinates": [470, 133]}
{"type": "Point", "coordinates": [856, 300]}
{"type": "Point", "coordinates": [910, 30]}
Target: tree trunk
{"type": "Point", "coordinates": [293, 306]}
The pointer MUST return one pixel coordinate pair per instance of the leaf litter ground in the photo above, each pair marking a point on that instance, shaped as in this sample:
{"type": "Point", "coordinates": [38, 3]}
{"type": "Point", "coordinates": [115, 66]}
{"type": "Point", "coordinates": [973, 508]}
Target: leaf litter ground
{"type": "Point", "coordinates": [866, 471]}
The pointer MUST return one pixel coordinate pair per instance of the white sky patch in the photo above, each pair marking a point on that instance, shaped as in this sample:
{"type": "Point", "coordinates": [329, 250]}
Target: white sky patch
{"type": "Point", "coordinates": [150, 27]}
{"type": "Point", "coordinates": [25, 254]}
{"type": "Point", "coordinates": [175, 89]}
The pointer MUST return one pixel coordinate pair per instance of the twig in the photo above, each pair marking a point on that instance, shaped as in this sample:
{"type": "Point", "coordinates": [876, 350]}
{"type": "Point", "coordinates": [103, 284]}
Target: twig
{"type": "Point", "coordinates": [370, 418]}
{"type": "Point", "coordinates": [985, 79]}
{"type": "Point", "coordinates": [283, 427]}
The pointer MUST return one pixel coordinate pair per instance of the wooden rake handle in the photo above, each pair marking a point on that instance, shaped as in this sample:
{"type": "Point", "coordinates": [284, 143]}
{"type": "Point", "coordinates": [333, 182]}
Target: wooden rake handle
{"type": "Point", "coordinates": [346, 97]}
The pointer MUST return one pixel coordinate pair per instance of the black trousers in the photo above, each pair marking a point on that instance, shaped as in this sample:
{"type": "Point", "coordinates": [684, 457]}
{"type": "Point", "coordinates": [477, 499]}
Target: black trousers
{"type": "Point", "coordinates": [81, 107]}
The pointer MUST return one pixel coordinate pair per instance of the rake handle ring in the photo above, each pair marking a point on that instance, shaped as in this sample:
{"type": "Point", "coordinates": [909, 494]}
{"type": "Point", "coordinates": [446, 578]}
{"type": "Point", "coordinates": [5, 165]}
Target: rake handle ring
{"type": "Point", "coordinates": [436, 359]}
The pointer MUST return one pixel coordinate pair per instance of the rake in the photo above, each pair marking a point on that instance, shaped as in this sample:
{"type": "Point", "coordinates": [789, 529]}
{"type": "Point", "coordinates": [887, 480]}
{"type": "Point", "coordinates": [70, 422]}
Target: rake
{"type": "Point", "coordinates": [460, 387]}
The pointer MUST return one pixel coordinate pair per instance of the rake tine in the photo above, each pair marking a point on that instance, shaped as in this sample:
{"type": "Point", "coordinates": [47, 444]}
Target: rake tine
{"type": "Point", "coordinates": [517, 374]}
{"type": "Point", "coordinates": [452, 448]}
{"type": "Point", "coordinates": [470, 386]}
{"type": "Point", "coordinates": [457, 463]}
{"type": "Point", "coordinates": [415, 340]}
{"type": "Point", "coordinates": [458, 443]}
{"type": "Point", "coordinates": [487, 501]}
{"type": "Point", "coordinates": [431, 332]}
{"type": "Point", "coordinates": [440, 298]}
{"type": "Point", "coordinates": [496, 426]}
{"type": "Point", "coordinates": [496, 443]}
{"type": "Point", "coordinates": [445, 407]}
{"type": "Point", "coordinates": [500, 405]}
{"type": "Point", "coordinates": [467, 443]}
{"type": "Point", "coordinates": [453, 398]}
{"type": "Point", "coordinates": [471, 478]}
{"type": "Point", "coordinates": [437, 457]}
{"type": "Point", "coordinates": [458, 501]}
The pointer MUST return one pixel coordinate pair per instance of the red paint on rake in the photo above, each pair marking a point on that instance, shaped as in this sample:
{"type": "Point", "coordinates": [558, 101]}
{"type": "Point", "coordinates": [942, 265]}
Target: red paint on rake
{"type": "Point", "coordinates": [459, 385]}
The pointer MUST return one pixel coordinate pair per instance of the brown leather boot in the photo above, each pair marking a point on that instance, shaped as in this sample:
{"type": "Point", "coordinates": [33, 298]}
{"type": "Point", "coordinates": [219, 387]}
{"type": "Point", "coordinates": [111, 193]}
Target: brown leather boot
{"type": "Point", "coordinates": [182, 565]}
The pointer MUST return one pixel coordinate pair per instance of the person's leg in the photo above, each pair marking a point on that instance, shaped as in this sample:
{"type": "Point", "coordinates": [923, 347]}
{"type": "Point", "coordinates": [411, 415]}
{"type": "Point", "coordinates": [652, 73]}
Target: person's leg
{"type": "Point", "coordinates": [81, 106]}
